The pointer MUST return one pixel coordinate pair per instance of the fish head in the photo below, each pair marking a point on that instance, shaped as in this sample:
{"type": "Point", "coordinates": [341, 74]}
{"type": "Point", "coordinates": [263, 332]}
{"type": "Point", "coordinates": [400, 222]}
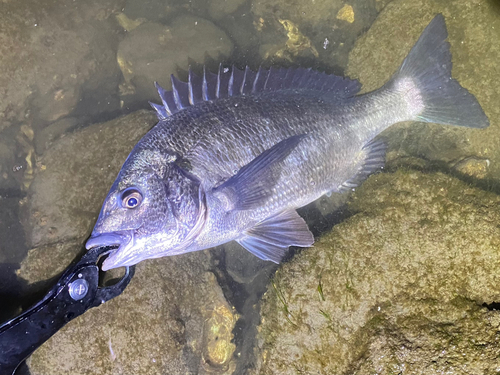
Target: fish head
{"type": "Point", "coordinates": [154, 209]}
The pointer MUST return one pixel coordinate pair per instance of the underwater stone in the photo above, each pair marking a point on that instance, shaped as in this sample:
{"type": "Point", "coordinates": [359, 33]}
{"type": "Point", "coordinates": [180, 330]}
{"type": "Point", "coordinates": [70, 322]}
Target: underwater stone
{"type": "Point", "coordinates": [74, 176]}
{"type": "Point", "coordinates": [473, 167]}
{"type": "Point", "coordinates": [158, 325]}
{"type": "Point", "coordinates": [221, 8]}
{"type": "Point", "coordinates": [35, 268]}
{"type": "Point", "coordinates": [49, 134]}
{"type": "Point", "coordinates": [218, 347]}
{"type": "Point", "coordinates": [152, 52]}
{"type": "Point", "coordinates": [47, 57]}
{"type": "Point", "coordinates": [330, 38]}
{"type": "Point", "coordinates": [398, 287]}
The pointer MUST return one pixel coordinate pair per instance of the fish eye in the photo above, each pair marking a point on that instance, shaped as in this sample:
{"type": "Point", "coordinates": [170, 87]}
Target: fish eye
{"type": "Point", "coordinates": [131, 198]}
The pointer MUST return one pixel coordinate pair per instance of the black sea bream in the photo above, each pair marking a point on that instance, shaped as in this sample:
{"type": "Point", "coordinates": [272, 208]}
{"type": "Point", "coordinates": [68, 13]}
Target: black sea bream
{"type": "Point", "coordinates": [236, 153]}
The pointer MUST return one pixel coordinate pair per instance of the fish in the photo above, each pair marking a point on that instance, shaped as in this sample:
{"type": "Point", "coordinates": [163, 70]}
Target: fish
{"type": "Point", "coordinates": [235, 153]}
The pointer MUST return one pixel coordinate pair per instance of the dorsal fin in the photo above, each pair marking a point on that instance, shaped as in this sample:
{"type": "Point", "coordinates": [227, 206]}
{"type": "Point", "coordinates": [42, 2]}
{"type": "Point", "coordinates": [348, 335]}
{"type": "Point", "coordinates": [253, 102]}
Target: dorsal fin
{"type": "Point", "coordinates": [235, 82]}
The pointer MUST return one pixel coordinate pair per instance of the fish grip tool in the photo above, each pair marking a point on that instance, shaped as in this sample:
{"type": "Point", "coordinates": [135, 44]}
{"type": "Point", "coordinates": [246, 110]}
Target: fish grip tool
{"type": "Point", "coordinates": [76, 291]}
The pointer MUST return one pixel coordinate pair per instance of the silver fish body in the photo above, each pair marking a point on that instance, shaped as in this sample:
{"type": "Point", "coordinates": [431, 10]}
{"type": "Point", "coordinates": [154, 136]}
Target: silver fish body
{"type": "Point", "coordinates": [234, 155]}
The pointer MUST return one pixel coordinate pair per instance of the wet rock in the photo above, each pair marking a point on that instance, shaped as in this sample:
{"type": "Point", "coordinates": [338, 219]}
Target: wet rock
{"type": "Point", "coordinates": [217, 344]}
{"type": "Point", "coordinates": [152, 51]}
{"type": "Point", "coordinates": [172, 319]}
{"type": "Point", "coordinates": [48, 52]}
{"type": "Point", "coordinates": [381, 4]}
{"type": "Point", "coordinates": [400, 287]}
{"type": "Point", "coordinates": [454, 338]}
{"type": "Point", "coordinates": [331, 27]}
{"type": "Point", "coordinates": [220, 8]}
{"type": "Point", "coordinates": [73, 177]}
{"type": "Point", "coordinates": [49, 134]}
{"type": "Point", "coordinates": [12, 247]}
{"type": "Point", "coordinates": [239, 25]}
{"type": "Point", "coordinates": [17, 158]}
{"type": "Point", "coordinates": [35, 268]}
{"type": "Point", "coordinates": [152, 10]}
{"type": "Point", "coordinates": [473, 167]}
{"type": "Point", "coordinates": [474, 35]}
{"type": "Point", "coordinates": [7, 157]}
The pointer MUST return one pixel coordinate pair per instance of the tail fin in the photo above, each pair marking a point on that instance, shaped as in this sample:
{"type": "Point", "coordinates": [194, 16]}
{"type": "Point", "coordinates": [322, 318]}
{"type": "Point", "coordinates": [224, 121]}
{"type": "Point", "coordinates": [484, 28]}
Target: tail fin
{"type": "Point", "coordinates": [428, 66]}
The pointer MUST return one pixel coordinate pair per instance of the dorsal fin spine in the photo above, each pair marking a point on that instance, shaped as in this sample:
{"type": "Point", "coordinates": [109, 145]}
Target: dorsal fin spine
{"type": "Point", "coordinates": [267, 78]}
{"type": "Point", "coordinates": [175, 91]}
{"type": "Point", "coordinates": [219, 75]}
{"type": "Point", "coordinates": [231, 82]}
{"type": "Point", "coordinates": [245, 82]}
{"type": "Point", "coordinates": [257, 76]}
{"type": "Point", "coordinates": [162, 94]}
{"type": "Point", "coordinates": [160, 111]}
{"type": "Point", "coordinates": [190, 87]}
{"type": "Point", "coordinates": [204, 89]}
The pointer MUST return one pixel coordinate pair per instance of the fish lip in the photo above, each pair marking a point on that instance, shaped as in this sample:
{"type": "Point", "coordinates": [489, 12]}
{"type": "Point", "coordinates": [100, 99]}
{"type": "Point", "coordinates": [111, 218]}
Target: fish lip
{"type": "Point", "coordinates": [123, 240]}
{"type": "Point", "coordinates": [106, 239]}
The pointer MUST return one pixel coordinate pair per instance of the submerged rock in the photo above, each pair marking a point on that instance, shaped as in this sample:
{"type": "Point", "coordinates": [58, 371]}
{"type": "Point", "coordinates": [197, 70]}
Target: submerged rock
{"type": "Point", "coordinates": [172, 319]}
{"type": "Point", "coordinates": [324, 30]}
{"type": "Point", "coordinates": [152, 52]}
{"type": "Point", "coordinates": [474, 35]}
{"type": "Point", "coordinates": [400, 287]}
{"type": "Point", "coordinates": [49, 53]}
{"type": "Point", "coordinates": [74, 176]}
{"type": "Point", "coordinates": [221, 8]}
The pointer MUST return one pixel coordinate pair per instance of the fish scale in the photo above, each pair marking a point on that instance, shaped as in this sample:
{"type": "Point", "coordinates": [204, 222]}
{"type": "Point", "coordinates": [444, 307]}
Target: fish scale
{"type": "Point", "coordinates": [237, 152]}
{"type": "Point", "coordinates": [262, 124]}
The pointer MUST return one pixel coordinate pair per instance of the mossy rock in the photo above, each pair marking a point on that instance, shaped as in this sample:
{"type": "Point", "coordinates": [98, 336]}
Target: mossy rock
{"type": "Point", "coordinates": [400, 287]}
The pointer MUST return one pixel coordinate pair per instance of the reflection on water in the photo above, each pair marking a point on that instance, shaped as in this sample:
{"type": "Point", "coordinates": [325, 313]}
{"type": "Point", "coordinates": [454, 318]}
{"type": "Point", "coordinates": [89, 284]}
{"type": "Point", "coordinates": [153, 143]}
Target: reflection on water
{"type": "Point", "coordinates": [414, 253]}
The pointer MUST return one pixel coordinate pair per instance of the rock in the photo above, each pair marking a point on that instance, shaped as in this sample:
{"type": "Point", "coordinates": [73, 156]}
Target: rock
{"type": "Point", "coordinates": [48, 135]}
{"type": "Point", "coordinates": [172, 319]}
{"type": "Point", "coordinates": [454, 338]}
{"type": "Point", "coordinates": [331, 27]}
{"type": "Point", "coordinates": [473, 167]}
{"type": "Point", "coordinates": [35, 268]}
{"type": "Point", "coordinates": [74, 176]}
{"type": "Point", "coordinates": [400, 287]}
{"type": "Point", "coordinates": [46, 57]}
{"type": "Point", "coordinates": [152, 51]}
{"type": "Point", "coordinates": [7, 161]}
{"type": "Point", "coordinates": [474, 35]}
{"type": "Point", "coordinates": [346, 13]}
{"type": "Point", "coordinates": [152, 10]}
{"type": "Point", "coordinates": [12, 248]}
{"type": "Point", "coordinates": [240, 26]}
{"type": "Point", "coordinates": [221, 8]}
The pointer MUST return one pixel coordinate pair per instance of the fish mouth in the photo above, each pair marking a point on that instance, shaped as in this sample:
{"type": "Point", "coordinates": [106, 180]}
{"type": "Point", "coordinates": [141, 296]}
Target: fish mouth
{"type": "Point", "coordinates": [119, 257]}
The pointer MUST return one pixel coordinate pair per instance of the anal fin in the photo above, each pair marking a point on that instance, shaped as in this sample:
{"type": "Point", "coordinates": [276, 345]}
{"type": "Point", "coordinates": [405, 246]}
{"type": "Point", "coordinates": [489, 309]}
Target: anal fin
{"type": "Point", "coordinates": [373, 161]}
{"type": "Point", "coordinates": [271, 238]}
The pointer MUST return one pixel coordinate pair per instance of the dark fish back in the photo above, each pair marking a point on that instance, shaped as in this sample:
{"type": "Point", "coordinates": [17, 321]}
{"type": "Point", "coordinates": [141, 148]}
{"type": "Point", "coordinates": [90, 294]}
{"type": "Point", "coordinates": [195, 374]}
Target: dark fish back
{"type": "Point", "coordinates": [215, 139]}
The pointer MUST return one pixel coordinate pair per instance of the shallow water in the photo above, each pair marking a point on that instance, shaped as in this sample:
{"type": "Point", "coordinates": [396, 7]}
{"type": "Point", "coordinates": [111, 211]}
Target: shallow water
{"type": "Point", "coordinates": [66, 66]}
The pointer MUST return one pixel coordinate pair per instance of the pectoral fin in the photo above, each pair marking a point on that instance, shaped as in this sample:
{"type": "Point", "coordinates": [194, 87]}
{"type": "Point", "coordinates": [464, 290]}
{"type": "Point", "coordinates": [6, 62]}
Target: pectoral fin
{"type": "Point", "coordinates": [254, 182]}
{"type": "Point", "coordinates": [270, 239]}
